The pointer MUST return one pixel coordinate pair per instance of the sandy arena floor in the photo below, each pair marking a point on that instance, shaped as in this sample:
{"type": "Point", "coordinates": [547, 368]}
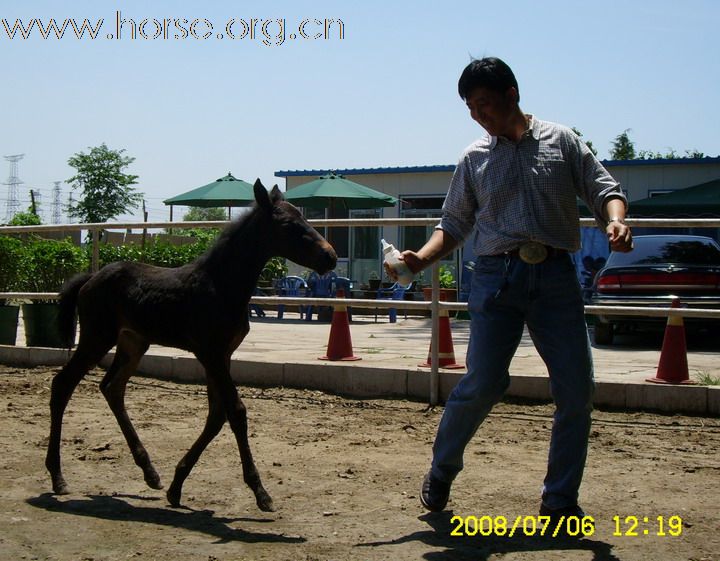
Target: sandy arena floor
{"type": "Point", "coordinates": [344, 475]}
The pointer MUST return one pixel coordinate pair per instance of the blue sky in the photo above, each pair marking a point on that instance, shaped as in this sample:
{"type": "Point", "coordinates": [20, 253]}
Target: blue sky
{"type": "Point", "coordinates": [190, 110]}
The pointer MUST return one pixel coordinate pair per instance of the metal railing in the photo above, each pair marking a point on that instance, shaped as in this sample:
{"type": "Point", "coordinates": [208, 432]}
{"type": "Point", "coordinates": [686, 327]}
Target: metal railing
{"type": "Point", "coordinates": [435, 305]}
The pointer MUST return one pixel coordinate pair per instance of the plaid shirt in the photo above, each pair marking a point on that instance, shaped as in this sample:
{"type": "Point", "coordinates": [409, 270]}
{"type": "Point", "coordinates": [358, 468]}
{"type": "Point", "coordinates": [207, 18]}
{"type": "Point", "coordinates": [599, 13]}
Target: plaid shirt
{"type": "Point", "coordinates": [512, 193]}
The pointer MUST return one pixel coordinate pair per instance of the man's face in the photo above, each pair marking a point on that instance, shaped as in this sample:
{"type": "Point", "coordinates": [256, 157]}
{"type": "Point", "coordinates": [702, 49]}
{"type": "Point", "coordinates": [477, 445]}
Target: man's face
{"type": "Point", "coordinates": [492, 110]}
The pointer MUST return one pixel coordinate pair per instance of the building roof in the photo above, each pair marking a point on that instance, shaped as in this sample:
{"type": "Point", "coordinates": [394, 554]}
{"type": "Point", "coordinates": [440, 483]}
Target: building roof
{"type": "Point", "coordinates": [366, 171]}
{"type": "Point", "coordinates": [451, 167]}
{"type": "Point", "coordinates": [663, 161]}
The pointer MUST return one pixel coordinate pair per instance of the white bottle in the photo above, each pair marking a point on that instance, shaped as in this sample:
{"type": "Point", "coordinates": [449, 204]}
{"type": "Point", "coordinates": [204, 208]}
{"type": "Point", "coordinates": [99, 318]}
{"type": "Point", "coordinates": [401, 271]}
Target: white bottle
{"type": "Point", "coordinates": [391, 256]}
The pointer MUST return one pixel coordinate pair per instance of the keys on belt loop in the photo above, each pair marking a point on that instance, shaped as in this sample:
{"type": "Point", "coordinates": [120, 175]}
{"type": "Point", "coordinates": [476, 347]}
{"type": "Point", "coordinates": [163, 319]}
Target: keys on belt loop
{"type": "Point", "coordinates": [506, 275]}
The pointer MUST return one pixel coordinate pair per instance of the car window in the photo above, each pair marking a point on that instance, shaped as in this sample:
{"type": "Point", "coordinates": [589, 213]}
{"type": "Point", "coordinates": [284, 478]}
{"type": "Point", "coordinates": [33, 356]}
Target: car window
{"type": "Point", "coordinates": [649, 251]}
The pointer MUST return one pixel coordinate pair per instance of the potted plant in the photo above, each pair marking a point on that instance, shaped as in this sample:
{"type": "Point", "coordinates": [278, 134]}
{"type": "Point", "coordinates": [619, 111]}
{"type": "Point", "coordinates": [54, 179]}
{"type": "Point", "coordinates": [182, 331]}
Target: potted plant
{"type": "Point", "coordinates": [275, 269]}
{"type": "Point", "coordinates": [11, 258]}
{"type": "Point", "coordinates": [46, 265]}
{"type": "Point", "coordinates": [448, 292]}
{"type": "Point", "coordinates": [373, 281]}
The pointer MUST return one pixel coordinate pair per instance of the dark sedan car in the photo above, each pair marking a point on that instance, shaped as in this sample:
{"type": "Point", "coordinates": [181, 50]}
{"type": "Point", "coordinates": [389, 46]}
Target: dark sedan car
{"type": "Point", "coordinates": [658, 268]}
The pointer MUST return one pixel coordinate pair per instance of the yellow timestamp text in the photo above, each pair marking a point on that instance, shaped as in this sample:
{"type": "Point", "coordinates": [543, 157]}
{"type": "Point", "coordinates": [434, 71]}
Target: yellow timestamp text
{"type": "Point", "coordinates": [522, 525]}
{"type": "Point", "coordinates": [564, 526]}
{"type": "Point", "coordinates": [632, 525]}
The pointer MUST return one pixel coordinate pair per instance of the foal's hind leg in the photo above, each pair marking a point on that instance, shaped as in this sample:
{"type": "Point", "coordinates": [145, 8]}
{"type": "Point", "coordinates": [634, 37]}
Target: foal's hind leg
{"type": "Point", "coordinates": [63, 385]}
{"type": "Point", "coordinates": [214, 422]}
{"type": "Point", "coordinates": [130, 349]}
{"type": "Point", "coordinates": [219, 371]}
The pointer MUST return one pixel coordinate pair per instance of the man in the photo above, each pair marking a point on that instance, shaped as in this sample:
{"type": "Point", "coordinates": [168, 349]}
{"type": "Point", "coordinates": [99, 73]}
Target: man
{"type": "Point", "coordinates": [515, 191]}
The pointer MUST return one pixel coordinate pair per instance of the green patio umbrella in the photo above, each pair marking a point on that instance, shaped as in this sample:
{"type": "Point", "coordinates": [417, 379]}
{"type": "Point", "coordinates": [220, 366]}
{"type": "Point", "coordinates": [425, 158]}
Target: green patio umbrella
{"type": "Point", "coordinates": [227, 191]}
{"type": "Point", "coordinates": [337, 190]}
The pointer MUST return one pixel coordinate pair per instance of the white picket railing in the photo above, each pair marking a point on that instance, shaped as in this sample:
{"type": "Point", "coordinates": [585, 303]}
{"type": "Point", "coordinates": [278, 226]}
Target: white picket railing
{"type": "Point", "coordinates": [435, 305]}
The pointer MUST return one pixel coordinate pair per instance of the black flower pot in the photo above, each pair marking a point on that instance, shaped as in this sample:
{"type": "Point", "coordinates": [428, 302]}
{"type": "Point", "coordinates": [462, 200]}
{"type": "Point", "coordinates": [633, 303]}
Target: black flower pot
{"type": "Point", "coordinates": [41, 329]}
{"type": "Point", "coordinates": [8, 324]}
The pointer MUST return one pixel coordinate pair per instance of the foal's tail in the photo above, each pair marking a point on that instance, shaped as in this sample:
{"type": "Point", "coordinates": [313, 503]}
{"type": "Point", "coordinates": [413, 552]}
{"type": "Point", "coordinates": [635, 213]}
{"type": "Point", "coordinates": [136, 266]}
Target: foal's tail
{"type": "Point", "coordinates": [68, 303]}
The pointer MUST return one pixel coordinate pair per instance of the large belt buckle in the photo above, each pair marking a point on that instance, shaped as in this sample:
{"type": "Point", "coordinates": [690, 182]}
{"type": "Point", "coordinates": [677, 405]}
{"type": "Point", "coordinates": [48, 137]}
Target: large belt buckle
{"type": "Point", "coordinates": [533, 252]}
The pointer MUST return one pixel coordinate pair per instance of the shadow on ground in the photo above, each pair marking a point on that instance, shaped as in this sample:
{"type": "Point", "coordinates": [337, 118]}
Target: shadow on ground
{"type": "Point", "coordinates": [117, 508]}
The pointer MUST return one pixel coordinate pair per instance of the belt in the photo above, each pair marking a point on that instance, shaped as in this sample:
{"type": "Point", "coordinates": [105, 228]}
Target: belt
{"type": "Point", "coordinates": [534, 253]}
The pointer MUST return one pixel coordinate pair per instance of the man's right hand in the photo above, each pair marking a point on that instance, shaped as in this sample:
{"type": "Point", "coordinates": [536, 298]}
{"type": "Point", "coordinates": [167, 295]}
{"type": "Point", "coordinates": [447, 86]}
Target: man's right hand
{"type": "Point", "coordinates": [440, 244]}
{"type": "Point", "coordinates": [411, 259]}
{"type": "Point", "coordinates": [414, 262]}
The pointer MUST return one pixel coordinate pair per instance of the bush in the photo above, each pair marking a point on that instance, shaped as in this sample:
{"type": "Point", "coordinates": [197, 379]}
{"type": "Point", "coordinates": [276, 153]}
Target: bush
{"type": "Point", "coordinates": [11, 257]}
{"type": "Point", "coordinates": [161, 254]}
{"type": "Point", "coordinates": [47, 264]}
{"type": "Point", "coordinates": [28, 218]}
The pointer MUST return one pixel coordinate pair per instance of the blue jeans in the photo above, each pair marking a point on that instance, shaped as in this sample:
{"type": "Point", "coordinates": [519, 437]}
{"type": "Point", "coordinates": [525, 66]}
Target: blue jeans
{"type": "Point", "coordinates": [506, 294]}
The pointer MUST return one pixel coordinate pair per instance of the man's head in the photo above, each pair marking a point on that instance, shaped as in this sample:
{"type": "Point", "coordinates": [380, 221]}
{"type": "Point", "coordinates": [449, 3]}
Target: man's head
{"type": "Point", "coordinates": [491, 73]}
{"type": "Point", "coordinates": [490, 91]}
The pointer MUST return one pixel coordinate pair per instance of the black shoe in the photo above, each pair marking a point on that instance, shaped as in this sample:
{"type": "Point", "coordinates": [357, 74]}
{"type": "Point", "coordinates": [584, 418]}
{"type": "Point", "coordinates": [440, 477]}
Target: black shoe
{"type": "Point", "coordinates": [434, 493]}
{"type": "Point", "coordinates": [568, 522]}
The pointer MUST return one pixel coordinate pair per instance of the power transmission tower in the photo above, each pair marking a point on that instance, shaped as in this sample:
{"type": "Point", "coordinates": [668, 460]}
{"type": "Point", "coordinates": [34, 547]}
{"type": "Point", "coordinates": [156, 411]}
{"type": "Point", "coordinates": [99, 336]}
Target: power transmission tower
{"type": "Point", "coordinates": [13, 183]}
{"type": "Point", "coordinates": [56, 218]}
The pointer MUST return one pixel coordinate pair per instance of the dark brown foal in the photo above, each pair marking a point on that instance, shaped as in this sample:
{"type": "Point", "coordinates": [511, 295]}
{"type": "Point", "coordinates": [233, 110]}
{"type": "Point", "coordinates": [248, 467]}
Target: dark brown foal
{"type": "Point", "coordinates": [201, 307]}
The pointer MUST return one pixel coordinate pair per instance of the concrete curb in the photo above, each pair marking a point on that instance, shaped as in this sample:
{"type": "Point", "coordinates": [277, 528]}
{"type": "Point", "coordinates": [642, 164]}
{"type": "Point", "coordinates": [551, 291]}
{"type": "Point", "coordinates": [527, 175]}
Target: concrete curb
{"type": "Point", "coordinates": [356, 380]}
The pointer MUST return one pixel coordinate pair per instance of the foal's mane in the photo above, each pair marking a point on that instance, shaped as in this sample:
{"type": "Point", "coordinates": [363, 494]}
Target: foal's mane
{"type": "Point", "coordinates": [245, 228]}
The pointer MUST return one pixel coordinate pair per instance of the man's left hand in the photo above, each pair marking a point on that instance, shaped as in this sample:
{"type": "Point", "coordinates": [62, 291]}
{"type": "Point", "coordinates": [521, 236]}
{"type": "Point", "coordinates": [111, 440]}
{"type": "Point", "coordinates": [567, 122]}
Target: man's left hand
{"type": "Point", "coordinates": [619, 236]}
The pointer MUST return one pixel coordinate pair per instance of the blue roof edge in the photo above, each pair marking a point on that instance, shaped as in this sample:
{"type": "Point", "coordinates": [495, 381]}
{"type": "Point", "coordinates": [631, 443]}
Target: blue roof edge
{"type": "Point", "coordinates": [663, 161]}
{"type": "Point", "coordinates": [451, 167]}
{"type": "Point", "coordinates": [365, 171]}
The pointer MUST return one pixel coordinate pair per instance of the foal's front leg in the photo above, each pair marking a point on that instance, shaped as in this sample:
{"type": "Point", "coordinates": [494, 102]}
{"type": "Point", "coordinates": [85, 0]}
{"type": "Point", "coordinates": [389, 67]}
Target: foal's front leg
{"type": "Point", "coordinates": [219, 372]}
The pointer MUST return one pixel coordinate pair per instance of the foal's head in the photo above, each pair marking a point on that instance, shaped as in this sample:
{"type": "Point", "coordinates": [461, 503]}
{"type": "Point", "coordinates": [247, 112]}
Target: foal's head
{"type": "Point", "coordinates": [290, 234]}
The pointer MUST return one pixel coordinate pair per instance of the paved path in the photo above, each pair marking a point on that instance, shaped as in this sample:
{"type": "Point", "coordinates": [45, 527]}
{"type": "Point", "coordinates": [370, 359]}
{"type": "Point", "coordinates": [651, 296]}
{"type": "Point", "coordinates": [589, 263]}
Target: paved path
{"type": "Point", "coordinates": [405, 344]}
{"type": "Point", "coordinates": [396, 349]}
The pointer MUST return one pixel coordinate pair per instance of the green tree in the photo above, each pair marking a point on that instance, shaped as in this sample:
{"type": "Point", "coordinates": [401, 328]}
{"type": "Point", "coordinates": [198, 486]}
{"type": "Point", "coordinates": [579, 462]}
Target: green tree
{"type": "Point", "coordinates": [197, 214]}
{"type": "Point", "coordinates": [588, 143]}
{"type": "Point", "coordinates": [107, 190]}
{"type": "Point", "coordinates": [28, 218]}
{"type": "Point", "coordinates": [671, 154]}
{"type": "Point", "coordinates": [623, 148]}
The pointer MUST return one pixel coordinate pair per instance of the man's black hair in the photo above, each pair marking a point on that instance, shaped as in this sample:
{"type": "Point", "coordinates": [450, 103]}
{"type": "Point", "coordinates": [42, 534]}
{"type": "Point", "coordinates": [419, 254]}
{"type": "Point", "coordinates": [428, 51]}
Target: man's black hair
{"type": "Point", "coordinates": [491, 73]}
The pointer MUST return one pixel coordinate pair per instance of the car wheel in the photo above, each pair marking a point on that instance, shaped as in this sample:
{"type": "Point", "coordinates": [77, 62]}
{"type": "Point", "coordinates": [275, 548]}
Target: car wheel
{"type": "Point", "coordinates": [603, 333]}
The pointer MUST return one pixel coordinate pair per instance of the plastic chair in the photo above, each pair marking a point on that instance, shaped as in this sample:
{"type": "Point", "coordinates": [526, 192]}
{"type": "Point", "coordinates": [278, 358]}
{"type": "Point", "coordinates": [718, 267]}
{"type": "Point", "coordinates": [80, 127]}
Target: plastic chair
{"type": "Point", "coordinates": [394, 292]}
{"type": "Point", "coordinates": [319, 286]}
{"type": "Point", "coordinates": [291, 286]}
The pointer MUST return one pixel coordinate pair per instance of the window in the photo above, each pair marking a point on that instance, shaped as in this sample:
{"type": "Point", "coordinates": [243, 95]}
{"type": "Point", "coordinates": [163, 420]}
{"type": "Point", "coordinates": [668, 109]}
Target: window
{"type": "Point", "coordinates": [365, 244]}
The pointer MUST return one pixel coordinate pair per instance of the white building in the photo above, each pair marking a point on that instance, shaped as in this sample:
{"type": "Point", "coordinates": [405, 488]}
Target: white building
{"type": "Point", "coordinates": [421, 191]}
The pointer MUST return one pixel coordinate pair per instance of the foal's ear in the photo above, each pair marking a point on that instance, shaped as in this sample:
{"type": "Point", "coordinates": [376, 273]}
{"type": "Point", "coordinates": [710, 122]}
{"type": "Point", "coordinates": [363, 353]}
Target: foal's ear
{"type": "Point", "coordinates": [276, 195]}
{"type": "Point", "coordinates": [261, 195]}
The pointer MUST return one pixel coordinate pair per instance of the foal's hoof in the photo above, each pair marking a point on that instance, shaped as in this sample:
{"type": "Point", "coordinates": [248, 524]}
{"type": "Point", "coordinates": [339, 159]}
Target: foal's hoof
{"type": "Point", "coordinates": [173, 496]}
{"type": "Point", "coordinates": [60, 487]}
{"type": "Point", "coordinates": [153, 480]}
{"type": "Point", "coordinates": [264, 502]}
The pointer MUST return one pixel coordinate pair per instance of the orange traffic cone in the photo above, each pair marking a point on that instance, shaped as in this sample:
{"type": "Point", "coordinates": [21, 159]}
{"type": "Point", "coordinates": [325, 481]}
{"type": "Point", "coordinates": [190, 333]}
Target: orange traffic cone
{"type": "Point", "coordinates": [446, 352]}
{"type": "Point", "coordinates": [673, 366]}
{"type": "Point", "coordinates": [340, 343]}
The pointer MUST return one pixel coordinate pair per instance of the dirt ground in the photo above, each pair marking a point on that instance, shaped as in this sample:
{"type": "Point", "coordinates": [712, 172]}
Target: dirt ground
{"type": "Point", "coordinates": [344, 475]}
